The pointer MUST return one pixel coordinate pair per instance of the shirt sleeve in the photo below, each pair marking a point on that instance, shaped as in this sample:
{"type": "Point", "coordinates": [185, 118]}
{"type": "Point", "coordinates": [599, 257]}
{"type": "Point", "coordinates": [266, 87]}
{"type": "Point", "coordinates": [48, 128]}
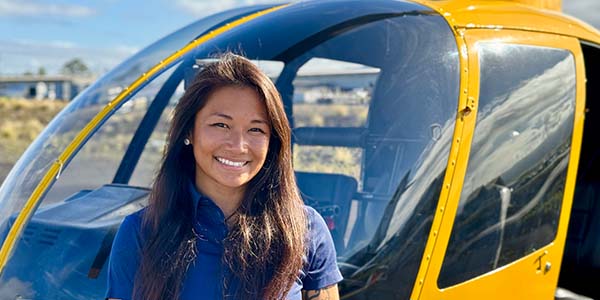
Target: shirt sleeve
{"type": "Point", "coordinates": [322, 269]}
{"type": "Point", "coordinates": [124, 258]}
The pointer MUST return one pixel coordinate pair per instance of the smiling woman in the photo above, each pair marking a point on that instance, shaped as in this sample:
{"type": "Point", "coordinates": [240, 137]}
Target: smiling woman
{"type": "Point", "coordinates": [230, 139]}
{"type": "Point", "coordinates": [225, 218]}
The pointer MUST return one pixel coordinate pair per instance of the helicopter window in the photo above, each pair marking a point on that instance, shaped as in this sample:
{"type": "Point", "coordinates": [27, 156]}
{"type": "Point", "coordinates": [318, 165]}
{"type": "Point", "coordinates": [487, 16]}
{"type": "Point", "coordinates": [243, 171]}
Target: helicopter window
{"type": "Point", "coordinates": [513, 189]}
{"type": "Point", "coordinates": [149, 160]}
{"type": "Point", "coordinates": [341, 93]}
{"type": "Point", "coordinates": [98, 160]}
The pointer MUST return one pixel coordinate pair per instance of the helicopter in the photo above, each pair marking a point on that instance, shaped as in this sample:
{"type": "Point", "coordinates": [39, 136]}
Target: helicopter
{"type": "Point", "coordinates": [448, 145]}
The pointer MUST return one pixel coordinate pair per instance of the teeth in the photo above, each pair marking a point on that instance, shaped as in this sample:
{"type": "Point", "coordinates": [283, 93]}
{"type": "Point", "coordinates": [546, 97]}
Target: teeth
{"type": "Point", "coordinates": [230, 163]}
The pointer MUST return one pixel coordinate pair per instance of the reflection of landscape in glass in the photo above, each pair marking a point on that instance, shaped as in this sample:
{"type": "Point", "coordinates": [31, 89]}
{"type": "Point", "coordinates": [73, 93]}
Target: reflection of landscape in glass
{"type": "Point", "coordinates": [508, 211]}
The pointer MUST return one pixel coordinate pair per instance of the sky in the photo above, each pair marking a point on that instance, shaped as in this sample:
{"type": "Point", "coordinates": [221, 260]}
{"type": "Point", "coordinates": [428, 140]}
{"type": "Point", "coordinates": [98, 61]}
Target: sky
{"type": "Point", "coordinates": [45, 34]}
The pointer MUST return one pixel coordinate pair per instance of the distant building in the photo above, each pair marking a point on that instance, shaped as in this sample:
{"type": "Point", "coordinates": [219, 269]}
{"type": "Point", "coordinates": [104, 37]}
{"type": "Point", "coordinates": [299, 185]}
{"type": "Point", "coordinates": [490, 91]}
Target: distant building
{"type": "Point", "coordinates": [348, 87]}
{"type": "Point", "coordinates": [58, 87]}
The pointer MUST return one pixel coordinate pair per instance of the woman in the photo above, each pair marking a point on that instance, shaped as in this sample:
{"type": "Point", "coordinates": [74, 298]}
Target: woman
{"type": "Point", "coordinates": [225, 219]}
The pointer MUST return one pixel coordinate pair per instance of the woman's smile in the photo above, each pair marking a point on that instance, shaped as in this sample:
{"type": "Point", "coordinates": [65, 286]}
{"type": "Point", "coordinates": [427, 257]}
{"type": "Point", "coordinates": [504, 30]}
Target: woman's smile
{"type": "Point", "coordinates": [231, 163]}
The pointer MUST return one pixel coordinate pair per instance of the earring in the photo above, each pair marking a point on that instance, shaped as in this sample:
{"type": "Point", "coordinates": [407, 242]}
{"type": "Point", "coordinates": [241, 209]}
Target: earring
{"type": "Point", "coordinates": [186, 142]}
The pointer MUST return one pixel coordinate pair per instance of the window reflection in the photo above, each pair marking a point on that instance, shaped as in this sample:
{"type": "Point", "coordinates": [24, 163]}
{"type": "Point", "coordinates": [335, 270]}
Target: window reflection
{"type": "Point", "coordinates": [512, 193]}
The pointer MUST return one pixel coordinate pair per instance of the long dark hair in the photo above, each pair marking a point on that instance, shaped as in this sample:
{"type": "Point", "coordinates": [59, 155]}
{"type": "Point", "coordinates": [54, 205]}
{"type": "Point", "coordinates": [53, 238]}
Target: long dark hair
{"type": "Point", "coordinates": [265, 246]}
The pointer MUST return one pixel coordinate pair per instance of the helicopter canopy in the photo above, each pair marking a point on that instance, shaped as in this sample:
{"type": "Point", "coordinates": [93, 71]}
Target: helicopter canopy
{"type": "Point", "coordinates": [371, 91]}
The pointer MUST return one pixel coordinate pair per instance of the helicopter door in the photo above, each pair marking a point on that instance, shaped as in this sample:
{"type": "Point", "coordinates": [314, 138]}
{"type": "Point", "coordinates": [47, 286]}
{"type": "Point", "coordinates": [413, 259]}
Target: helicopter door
{"type": "Point", "coordinates": [511, 217]}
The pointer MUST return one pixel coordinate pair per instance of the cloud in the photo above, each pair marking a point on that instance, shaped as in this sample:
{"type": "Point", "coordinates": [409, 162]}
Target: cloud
{"type": "Point", "coordinates": [19, 56]}
{"type": "Point", "coordinates": [62, 44]}
{"type": "Point", "coordinates": [200, 8]}
{"type": "Point", "coordinates": [31, 8]}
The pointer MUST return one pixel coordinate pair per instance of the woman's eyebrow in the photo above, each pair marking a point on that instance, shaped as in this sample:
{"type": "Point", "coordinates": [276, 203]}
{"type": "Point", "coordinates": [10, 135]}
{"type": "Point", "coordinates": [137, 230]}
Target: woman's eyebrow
{"type": "Point", "coordinates": [222, 115]}
{"type": "Point", "coordinates": [228, 117]}
{"type": "Point", "coordinates": [261, 121]}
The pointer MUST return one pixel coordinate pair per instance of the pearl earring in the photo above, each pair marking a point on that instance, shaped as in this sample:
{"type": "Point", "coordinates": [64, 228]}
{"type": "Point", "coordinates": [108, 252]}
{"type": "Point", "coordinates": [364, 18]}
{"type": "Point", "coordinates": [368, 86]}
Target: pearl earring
{"type": "Point", "coordinates": [186, 142]}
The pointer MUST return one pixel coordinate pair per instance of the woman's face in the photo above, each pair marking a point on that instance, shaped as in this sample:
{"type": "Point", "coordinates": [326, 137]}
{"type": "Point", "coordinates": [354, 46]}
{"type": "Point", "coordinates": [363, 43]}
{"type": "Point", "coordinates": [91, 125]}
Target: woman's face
{"type": "Point", "coordinates": [230, 139]}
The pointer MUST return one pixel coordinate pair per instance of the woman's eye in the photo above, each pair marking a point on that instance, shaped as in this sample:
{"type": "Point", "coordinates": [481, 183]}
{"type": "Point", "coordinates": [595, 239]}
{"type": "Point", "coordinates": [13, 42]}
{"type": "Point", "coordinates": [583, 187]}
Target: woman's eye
{"type": "Point", "coordinates": [257, 130]}
{"type": "Point", "coordinates": [222, 125]}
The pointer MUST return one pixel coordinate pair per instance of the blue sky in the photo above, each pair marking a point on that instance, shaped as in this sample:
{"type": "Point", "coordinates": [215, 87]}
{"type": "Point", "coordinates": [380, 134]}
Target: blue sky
{"type": "Point", "coordinates": [45, 33]}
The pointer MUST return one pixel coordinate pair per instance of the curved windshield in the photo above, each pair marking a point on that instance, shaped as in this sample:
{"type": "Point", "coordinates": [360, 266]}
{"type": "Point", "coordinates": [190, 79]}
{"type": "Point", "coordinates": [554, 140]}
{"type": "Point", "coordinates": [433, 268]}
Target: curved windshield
{"type": "Point", "coordinates": [371, 95]}
{"type": "Point", "coordinates": [38, 158]}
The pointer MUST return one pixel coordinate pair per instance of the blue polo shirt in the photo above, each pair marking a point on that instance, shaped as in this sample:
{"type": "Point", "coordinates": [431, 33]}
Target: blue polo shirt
{"type": "Point", "coordinates": [204, 278]}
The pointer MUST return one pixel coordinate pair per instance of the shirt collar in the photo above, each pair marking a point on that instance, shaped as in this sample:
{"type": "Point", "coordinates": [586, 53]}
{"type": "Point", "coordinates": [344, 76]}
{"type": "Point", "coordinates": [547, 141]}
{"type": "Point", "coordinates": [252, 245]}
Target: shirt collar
{"type": "Point", "coordinates": [200, 201]}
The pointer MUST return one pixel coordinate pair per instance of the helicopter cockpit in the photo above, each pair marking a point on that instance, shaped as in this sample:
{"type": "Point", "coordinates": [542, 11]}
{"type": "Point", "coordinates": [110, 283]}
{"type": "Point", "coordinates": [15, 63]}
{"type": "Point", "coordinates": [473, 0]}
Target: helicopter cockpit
{"type": "Point", "coordinates": [371, 95]}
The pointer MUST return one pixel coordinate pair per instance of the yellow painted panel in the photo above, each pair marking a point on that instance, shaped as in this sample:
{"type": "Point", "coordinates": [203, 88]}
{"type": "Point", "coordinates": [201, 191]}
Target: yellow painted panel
{"type": "Point", "coordinates": [492, 14]}
{"type": "Point", "coordinates": [528, 277]}
{"type": "Point", "coordinates": [544, 4]}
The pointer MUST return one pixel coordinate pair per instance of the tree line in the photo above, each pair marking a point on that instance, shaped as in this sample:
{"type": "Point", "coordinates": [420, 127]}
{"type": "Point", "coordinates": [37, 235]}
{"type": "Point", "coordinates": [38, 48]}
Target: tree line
{"type": "Point", "coordinates": [75, 66]}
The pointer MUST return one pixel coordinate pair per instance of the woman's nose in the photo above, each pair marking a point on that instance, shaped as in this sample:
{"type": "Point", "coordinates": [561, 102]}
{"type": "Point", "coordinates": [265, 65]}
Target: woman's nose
{"type": "Point", "coordinates": [237, 141]}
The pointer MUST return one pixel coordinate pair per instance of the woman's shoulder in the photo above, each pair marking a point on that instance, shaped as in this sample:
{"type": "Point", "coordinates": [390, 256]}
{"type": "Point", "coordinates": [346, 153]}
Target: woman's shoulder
{"type": "Point", "coordinates": [311, 213]}
{"type": "Point", "coordinates": [321, 264]}
{"type": "Point", "coordinates": [315, 221]}
{"type": "Point", "coordinates": [125, 257]}
{"type": "Point", "coordinates": [130, 230]}
{"type": "Point", "coordinates": [134, 221]}
{"type": "Point", "coordinates": [318, 232]}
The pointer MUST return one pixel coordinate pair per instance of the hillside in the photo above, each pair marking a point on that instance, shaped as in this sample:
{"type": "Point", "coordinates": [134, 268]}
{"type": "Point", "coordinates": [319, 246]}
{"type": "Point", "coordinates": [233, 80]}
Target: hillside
{"type": "Point", "coordinates": [21, 121]}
